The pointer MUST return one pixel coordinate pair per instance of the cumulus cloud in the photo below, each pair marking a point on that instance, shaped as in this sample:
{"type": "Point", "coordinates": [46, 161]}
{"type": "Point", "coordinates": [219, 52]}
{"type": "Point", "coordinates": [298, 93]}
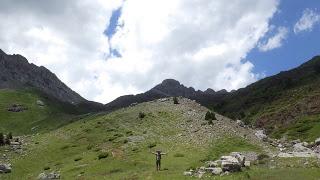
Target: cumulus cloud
{"type": "Point", "coordinates": [307, 21]}
{"type": "Point", "coordinates": [275, 41]}
{"type": "Point", "coordinates": [201, 43]}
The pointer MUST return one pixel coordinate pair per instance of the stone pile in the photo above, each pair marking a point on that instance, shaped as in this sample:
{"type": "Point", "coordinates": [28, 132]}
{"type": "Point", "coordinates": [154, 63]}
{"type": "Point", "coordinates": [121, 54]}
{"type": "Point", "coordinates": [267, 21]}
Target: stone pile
{"type": "Point", "coordinates": [223, 166]}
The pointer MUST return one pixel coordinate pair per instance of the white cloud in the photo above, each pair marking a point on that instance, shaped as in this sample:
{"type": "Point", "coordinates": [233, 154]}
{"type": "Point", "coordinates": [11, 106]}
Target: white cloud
{"type": "Point", "coordinates": [201, 43]}
{"type": "Point", "coordinates": [275, 41]}
{"type": "Point", "coordinates": [307, 21]}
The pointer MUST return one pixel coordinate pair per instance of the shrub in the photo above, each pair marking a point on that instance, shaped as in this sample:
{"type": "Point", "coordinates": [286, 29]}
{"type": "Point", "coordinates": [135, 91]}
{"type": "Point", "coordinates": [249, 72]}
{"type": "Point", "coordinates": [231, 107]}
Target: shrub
{"type": "Point", "coordinates": [262, 156]}
{"type": "Point", "coordinates": [2, 140]}
{"type": "Point", "coordinates": [7, 141]}
{"type": "Point", "coordinates": [141, 115]}
{"type": "Point", "coordinates": [103, 155]}
{"type": "Point", "coordinates": [178, 155]}
{"type": "Point", "coordinates": [130, 133]}
{"type": "Point", "coordinates": [46, 168]}
{"type": "Point", "coordinates": [210, 116]}
{"type": "Point", "coordinates": [175, 100]}
{"type": "Point", "coordinates": [134, 149]}
{"type": "Point", "coordinates": [78, 159]}
{"type": "Point", "coordinates": [9, 136]}
{"type": "Point", "coordinates": [151, 145]}
{"type": "Point", "coordinates": [90, 146]}
{"type": "Point", "coordinates": [125, 141]}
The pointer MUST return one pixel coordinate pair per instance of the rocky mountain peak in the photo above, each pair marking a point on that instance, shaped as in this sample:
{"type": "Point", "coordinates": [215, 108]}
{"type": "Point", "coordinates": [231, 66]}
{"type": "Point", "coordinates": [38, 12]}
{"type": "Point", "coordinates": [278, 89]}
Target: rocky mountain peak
{"type": "Point", "coordinates": [17, 72]}
{"type": "Point", "coordinates": [170, 83]}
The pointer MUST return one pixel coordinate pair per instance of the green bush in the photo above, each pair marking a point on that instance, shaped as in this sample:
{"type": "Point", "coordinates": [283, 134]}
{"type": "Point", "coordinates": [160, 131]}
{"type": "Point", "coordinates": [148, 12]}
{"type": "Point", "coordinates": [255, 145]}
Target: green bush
{"type": "Point", "coordinates": [46, 168]}
{"type": "Point", "coordinates": [2, 140]}
{"type": "Point", "coordinates": [141, 115]}
{"type": "Point", "coordinates": [210, 116]}
{"type": "Point", "coordinates": [178, 155]}
{"type": "Point", "coordinates": [151, 145]}
{"type": "Point", "coordinates": [78, 159]}
{"type": "Point", "coordinates": [103, 155]}
{"type": "Point", "coordinates": [175, 100]}
{"type": "Point", "coordinates": [9, 136]}
{"type": "Point", "coordinates": [262, 157]}
{"type": "Point", "coordinates": [90, 146]}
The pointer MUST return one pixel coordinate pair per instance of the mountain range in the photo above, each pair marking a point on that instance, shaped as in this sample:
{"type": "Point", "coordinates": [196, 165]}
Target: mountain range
{"type": "Point", "coordinates": [273, 103]}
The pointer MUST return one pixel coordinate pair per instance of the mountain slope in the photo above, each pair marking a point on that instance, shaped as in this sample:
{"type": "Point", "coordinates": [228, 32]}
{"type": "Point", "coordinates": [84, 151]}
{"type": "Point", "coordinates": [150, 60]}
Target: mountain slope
{"type": "Point", "coordinates": [180, 130]}
{"type": "Point", "coordinates": [27, 111]}
{"type": "Point", "coordinates": [16, 72]}
{"type": "Point", "coordinates": [118, 145]}
{"type": "Point", "coordinates": [279, 101]}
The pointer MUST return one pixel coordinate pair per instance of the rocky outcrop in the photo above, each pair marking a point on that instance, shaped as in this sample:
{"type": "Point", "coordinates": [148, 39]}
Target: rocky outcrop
{"type": "Point", "coordinates": [17, 72]}
{"type": "Point", "coordinates": [48, 176]}
{"type": "Point", "coordinates": [17, 108]}
{"type": "Point", "coordinates": [5, 168]}
{"type": "Point", "coordinates": [223, 166]}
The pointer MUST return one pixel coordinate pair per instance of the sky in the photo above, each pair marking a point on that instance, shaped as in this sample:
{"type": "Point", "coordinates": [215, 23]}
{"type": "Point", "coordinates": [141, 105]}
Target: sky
{"type": "Point", "coordinates": [103, 49]}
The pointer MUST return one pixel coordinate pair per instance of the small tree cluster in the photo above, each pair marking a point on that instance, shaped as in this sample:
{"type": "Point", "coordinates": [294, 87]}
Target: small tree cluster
{"type": "Point", "coordinates": [5, 139]}
{"type": "Point", "coordinates": [175, 100]}
{"type": "Point", "coordinates": [210, 116]}
{"type": "Point", "coordinates": [141, 115]}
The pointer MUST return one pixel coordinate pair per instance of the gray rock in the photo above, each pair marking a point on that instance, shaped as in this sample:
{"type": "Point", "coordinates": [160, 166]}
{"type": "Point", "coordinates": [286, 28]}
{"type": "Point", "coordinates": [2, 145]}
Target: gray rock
{"type": "Point", "coordinates": [48, 176]}
{"type": "Point", "coordinates": [299, 147]}
{"type": "Point", "coordinates": [260, 134]}
{"type": "Point", "coordinates": [230, 164]}
{"type": "Point", "coordinates": [212, 164]}
{"type": "Point", "coordinates": [317, 141]}
{"type": "Point", "coordinates": [40, 103]}
{"type": "Point", "coordinates": [5, 168]}
{"type": "Point", "coordinates": [240, 123]}
{"type": "Point", "coordinates": [247, 164]}
{"type": "Point", "coordinates": [187, 173]}
{"type": "Point", "coordinates": [216, 171]}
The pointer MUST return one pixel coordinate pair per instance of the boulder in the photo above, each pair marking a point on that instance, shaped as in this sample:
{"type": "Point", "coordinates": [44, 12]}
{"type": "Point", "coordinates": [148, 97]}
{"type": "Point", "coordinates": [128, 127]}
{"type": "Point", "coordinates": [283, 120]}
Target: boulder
{"type": "Point", "coordinates": [230, 164]}
{"type": "Point", "coordinates": [299, 147]}
{"type": "Point", "coordinates": [295, 141]}
{"type": "Point", "coordinates": [212, 164]}
{"type": "Point", "coordinates": [247, 164]}
{"type": "Point", "coordinates": [40, 103]}
{"type": "Point", "coordinates": [240, 123]}
{"type": "Point", "coordinates": [48, 176]}
{"type": "Point", "coordinates": [216, 171]}
{"type": "Point", "coordinates": [239, 157]}
{"type": "Point", "coordinates": [317, 141]}
{"type": "Point", "coordinates": [260, 134]}
{"type": "Point", "coordinates": [187, 173]}
{"type": "Point", "coordinates": [5, 168]}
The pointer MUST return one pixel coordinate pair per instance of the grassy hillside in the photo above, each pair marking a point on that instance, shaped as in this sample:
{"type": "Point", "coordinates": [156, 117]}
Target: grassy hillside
{"type": "Point", "coordinates": [279, 102]}
{"type": "Point", "coordinates": [35, 118]}
{"type": "Point", "coordinates": [128, 141]}
{"type": "Point", "coordinates": [119, 145]}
